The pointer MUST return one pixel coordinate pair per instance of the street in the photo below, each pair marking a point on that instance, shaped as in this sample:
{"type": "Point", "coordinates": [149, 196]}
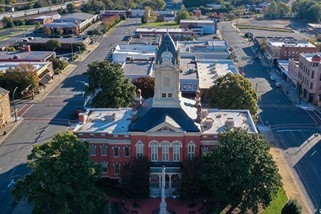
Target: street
{"type": "Point", "coordinates": [293, 127]}
{"type": "Point", "coordinates": [48, 117]}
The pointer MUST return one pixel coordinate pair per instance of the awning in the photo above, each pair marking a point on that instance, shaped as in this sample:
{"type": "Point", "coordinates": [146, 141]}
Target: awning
{"type": "Point", "coordinates": [44, 80]}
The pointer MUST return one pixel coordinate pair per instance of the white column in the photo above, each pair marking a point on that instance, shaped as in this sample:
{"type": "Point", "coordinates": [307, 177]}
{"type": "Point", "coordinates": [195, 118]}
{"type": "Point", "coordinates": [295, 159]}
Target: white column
{"type": "Point", "coordinates": [163, 205]}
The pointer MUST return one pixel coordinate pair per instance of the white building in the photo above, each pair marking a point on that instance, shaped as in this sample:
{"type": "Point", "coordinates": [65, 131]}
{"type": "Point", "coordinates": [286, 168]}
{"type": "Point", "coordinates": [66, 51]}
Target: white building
{"type": "Point", "coordinates": [134, 52]}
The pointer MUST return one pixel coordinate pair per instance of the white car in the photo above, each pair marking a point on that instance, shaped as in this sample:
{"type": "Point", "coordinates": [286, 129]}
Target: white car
{"type": "Point", "coordinates": [272, 78]}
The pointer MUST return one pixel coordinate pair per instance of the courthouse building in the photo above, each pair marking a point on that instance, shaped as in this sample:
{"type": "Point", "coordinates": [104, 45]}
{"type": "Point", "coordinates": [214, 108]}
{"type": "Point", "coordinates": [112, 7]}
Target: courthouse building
{"type": "Point", "coordinates": [166, 129]}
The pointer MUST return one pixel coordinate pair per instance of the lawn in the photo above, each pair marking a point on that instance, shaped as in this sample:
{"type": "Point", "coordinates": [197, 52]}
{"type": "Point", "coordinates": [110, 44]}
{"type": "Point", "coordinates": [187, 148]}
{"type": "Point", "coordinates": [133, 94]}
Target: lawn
{"type": "Point", "coordinates": [277, 204]}
{"type": "Point", "coordinates": [10, 35]}
{"type": "Point", "coordinates": [161, 25]}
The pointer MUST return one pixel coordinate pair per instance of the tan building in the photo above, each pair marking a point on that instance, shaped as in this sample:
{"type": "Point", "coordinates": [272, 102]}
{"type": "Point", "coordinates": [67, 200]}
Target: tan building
{"type": "Point", "coordinates": [5, 111]}
{"type": "Point", "coordinates": [293, 71]}
{"type": "Point", "coordinates": [309, 76]}
{"type": "Point", "coordinates": [285, 48]}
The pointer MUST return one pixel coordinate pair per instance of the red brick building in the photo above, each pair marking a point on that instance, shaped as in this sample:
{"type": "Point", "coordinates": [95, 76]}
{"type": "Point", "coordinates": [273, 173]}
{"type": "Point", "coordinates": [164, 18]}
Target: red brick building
{"type": "Point", "coordinates": [166, 128]}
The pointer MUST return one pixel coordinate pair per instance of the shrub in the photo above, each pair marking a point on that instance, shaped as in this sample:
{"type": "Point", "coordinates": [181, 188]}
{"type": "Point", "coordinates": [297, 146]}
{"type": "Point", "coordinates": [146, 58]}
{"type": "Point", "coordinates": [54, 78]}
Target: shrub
{"type": "Point", "coordinates": [292, 207]}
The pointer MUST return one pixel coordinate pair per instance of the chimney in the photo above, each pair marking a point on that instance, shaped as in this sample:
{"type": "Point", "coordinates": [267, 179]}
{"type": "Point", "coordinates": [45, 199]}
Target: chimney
{"type": "Point", "coordinates": [134, 112]}
{"type": "Point", "coordinates": [138, 99]}
{"type": "Point", "coordinates": [82, 118]}
{"type": "Point", "coordinates": [199, 114]}
{"type": "Point", "coordinates": [197, 98]}
{"type": "Point", "coordinates": [27, 48]}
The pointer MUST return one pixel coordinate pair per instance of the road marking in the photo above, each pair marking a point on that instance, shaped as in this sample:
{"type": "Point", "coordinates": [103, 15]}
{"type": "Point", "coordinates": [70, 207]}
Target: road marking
{"type": "Point", "coordinates": [12, 182]}
{"type": "Point", "coordinates": [315, 151]}
{"type": "Point", "coordinates": [289, 130]}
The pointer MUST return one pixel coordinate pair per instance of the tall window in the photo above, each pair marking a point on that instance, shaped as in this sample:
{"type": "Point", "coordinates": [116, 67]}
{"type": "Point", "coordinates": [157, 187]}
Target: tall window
{"type": "Point", "coordinates": [105, 167]}
{"type": "Point", "coordinates": [176, 151]}
{"type": "Point", "coordinates": [104, 150]}
{"type": "Point", "coordinates": [139, 149]}
{"type": "Point", "coordinates": [154, 151]}
{"type": "Point", "coordinates": [117, 168]}
{"type": "Point", "coordinates": [191, 150]}
{"type": "Point", "coordinates": [92, 150]}
{"type": "Point", "coordinates": [165, 151]}
{"type": "Point", "coordinates": [116, 151]}
{"type": "Point", "coordinates": [126, 151]}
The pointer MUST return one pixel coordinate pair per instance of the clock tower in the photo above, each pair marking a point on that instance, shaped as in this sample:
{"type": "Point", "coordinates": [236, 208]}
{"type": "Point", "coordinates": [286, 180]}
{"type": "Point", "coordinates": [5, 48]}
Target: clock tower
{"type": "Point", "coordinates": [167, 91]}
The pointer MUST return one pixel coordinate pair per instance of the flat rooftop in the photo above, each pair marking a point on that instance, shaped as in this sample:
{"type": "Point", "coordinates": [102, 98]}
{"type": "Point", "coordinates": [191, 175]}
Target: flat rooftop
{"type": "Point", "coordinates": [162, 30]}
{"type": "Point", "coordinates": [136, 49]}
{"type": "Point", "coordinates": [6, 65]}
{"type": "Point", "coordinates": [210, 70]}
{"type": "Point", "coordinates": [71, 40]}
{"type": "Point", "coordinates": [118, 120]}
{"type": "Point", "coordinates": [308, 56]}
{"type": "Point", "coordinates": [188, 69]}
{"type": "Point", "coordinates": [290, 43]}
{"type": "Point", "coordinates": [106, 120]}
{"type": "Point", "coordinates": [136, 69]}
{"type": "Point", "coordinates": [197, 21]}
{"type": "Point", "coordinates": [28, 56]}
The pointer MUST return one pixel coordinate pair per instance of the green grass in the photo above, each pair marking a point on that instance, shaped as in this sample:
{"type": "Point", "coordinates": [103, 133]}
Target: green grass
{"type": "Point", "coordinates": [277, 204]}
{"type": "Point", "coordinates": [252, 27]}
{"type": "Point", "coordinates": [161, 25]}
{"type": "Point", "coordinates": [10, 35]}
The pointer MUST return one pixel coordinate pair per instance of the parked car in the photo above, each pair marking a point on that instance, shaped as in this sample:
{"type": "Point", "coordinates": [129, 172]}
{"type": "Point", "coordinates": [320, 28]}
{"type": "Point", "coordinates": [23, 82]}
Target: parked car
{"type": "Point", "coordinates": [272, 78]}
{"type": "Point", "coordinates": [278, 85]}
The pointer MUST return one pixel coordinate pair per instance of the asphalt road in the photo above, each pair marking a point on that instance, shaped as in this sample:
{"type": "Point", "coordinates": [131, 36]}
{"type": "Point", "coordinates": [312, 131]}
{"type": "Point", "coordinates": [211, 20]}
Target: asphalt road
{"type": "Point", "coordinates": [46, 118]}
{"type": "Point", "coordinates": [292, 126]}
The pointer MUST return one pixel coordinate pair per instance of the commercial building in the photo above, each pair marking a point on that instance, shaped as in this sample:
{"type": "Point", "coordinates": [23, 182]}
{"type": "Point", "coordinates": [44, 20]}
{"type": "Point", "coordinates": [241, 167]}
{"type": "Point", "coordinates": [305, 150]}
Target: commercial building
{"type": "Point", "coordinates": [72, 23]}
{"type": "Point", "coordinates": [132, 52]}
{"type": "Point", "coordinates": [285, 48]}
{"type": "Point", "coordinates": [27, 56]}
{"type": "Point", "coordinates": [199, 27]}
{"type": "Point", "coordinates": [44, 69]}
{"type": "Point", "coordinates": [5, 111]}
{"type": "Point", "coordinates": [167, 129]}
{"type": "Point", "coordinates": [293, 70]}
{"type": "Point", "coordinates": [176, 33]}
{"type": "Point", "coordinates": [136, 69]}
{"type": "Point", "coordinates": [309, 76]}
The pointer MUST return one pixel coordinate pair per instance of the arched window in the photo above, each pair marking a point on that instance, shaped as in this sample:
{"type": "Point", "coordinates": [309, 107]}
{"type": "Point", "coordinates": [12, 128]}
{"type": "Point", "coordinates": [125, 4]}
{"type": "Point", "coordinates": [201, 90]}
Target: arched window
{"type": "Point", "coordinates": [92, 150]}
{"type": "Point", "coordinates": [139, 149]}
{"type": "Point", "coordinates": [191, 150]}
{"type": "Point", "coordinates": [176, 150]}
{"type": "Point", "coordinates": [154, 151]}
{"type": "Point", "coordinates": [104, 150]}
{"type": "Point", "coordinates": [165, 151]}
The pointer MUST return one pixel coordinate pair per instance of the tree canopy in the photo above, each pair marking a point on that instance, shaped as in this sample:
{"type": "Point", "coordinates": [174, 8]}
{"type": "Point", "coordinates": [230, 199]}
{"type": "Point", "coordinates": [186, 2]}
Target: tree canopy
{"type": "Point", "coordinates": [241, 171]}
{"type": "Point", "coordinates": [277, 10]}
{"type": "Point", "coordinates": [23, 76]}
{"type": "Point", "coordinates": [182, 14]}
{"type": "Point", "coordinates": [233, 92]}
{"type": "Point", "coordinates": [146, 85]}
{"type": "Point", "coordinates": [112, 89]}
{"type": "Point", "coordinates": [308, 10]}
{"type": "Point", "coordinates": [52, 44]}
{"type": "Point", "coordinates": [189, 185]}
{"type": "Point", "coordinates": [62, 179]}
{"type": "Point", "coordinates": [135, 178]}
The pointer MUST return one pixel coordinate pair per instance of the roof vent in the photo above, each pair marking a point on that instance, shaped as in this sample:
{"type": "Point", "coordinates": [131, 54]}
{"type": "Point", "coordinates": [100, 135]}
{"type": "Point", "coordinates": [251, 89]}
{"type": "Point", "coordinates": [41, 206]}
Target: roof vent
{"type": "Point", "coordinates": [229, 123]}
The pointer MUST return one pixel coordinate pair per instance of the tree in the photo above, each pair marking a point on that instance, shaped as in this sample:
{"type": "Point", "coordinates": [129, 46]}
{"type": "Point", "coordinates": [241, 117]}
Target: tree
{"type": "Point", "coordinates": [314, 13]}
{"type": "Point", "coordinates": [46, 31]}
{"type": "Point", "coordinates": [58, 65]}
{"type": "Point", "coordinates": [70, 8]}
{"type": "Point", "coordinates": [52, 44]}
{"type": "Point", "coordinates": [62, 179]}
{"type": "Point", "coordinates": [37, 26]}
{"type": "Point", "coordinates": [59, 31]}
{"type": "Point", "coordinates": [182, 14]}
{"type": "Point", "coordinates": [116, 90]}
{"type": "Point", "coordinates": [135, 178]}
{"type": "Point", "coordinates": [23, 76]}
{"type": "Point", "coordinates": [146, 85]}
{"type": "Point", "coordinates": [7, 22]}
{"type": "Point", "coordinates": [233, 92]}
{"type": "Point", "coordinates": [292, 207]}
{"type": "Point", "coordinates": [241, 171]}
{"type": "Point", "coordinates": [155, 4]}
{"type": "Point", "coordinates": [189, 185]}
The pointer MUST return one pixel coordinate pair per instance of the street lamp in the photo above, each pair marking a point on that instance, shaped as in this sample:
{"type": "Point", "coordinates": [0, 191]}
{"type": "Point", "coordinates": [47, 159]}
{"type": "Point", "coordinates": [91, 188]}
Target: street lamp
{"type": "Point", "coordinates": [14, 104]}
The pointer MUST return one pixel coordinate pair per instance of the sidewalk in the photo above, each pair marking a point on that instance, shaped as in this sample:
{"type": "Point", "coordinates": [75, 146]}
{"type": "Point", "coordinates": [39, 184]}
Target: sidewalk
{"type": "Point", "coordinates": [290, 185]}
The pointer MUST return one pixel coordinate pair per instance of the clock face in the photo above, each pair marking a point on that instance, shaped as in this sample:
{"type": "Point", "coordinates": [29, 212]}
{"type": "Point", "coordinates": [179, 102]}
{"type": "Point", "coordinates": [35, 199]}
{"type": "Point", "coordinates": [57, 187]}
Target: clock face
{"type": "Point", "coordinates": [167, 56]}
